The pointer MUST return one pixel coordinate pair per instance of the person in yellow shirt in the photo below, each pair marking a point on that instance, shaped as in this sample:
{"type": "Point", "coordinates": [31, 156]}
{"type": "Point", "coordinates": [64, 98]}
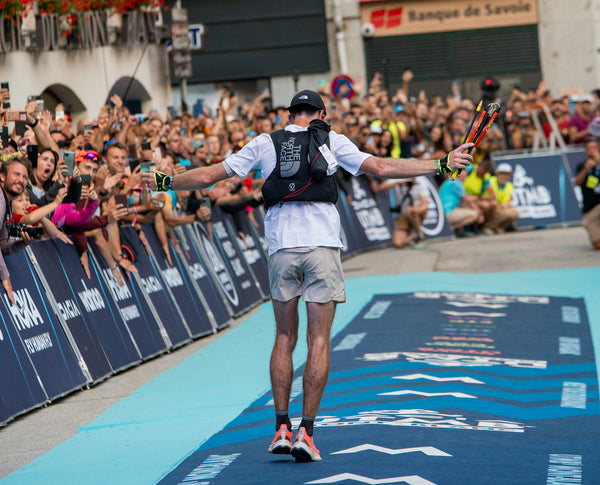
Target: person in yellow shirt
{"type": "Point", "coordinates": [500, 186]}
{"type": "Point", "coordinates": [398, 129]}
{"type": "Point", "coordinates": [476, 184]}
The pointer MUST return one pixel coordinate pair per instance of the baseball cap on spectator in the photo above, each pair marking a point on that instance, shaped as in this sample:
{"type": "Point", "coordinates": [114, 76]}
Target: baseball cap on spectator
{"type": "Point", "coordinates": [306, 98]}
{"type": "Point", "coordinates": [586, 99]}
{"type": "Point", "coordinates": [399, 109]}
{"type": "Point", "coordinates": [504, 168]}
{"type": "Point", "coordinates": [376, 129]}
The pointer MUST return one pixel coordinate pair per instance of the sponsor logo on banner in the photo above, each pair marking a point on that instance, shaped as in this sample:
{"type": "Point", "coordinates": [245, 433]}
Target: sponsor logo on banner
{"type": "Point", "coordinates": [368, 214]}
{"type": "Point", "coordinates": [533, 201]}
{"type": "Point", "coordinates": [26, 316]}
{"type": "Point", "coordinates": [68, 309]}
{"type": "Point", "coordinates": [425, 418]}
{"type": "Point", "coordinates": [218, 266]}
{"type": "Point", "coordinates": [119, 293]}
{"type": "Point", "coordinates": [24, 312]}
{"type": "Point", "coordinates": [434, 219]}
{"type": "Point", "coordinates": [173, 277]}
{"type": "Point", "coordinates": [151, 284]}
{"type": "Point", "coordinates": [197, 271]}
{"type": "Point", "coordinates": [91, 298]}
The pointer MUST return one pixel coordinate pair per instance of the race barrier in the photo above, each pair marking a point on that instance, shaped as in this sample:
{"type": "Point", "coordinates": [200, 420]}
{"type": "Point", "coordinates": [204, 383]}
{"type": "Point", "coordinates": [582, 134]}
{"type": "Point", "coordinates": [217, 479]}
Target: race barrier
{"type": "Point", "coordinates": [543, 188]}
{"type": "Point", "coordinates": [67, 330]}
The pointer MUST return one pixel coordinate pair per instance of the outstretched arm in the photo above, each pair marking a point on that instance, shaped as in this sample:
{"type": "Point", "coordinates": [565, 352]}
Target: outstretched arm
{"type": "Point", "coordinates": [457, 159]}
{"type": "Point", "coordinates": [198, 178]}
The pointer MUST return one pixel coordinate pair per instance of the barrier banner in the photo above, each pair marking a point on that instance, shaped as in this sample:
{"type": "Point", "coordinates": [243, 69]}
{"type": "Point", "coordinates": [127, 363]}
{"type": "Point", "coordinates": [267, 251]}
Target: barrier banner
{"type": "Point", "coordinates": [434, 225]}
{"type": "Point", "coordinates": [366, 221]}
{"type": "Point", "coordinates": [257, 227]}
{"type": "Point", "coordinates": [20, 388]}
{"type": "Point", "coordinates": [234, 258]}
{"type": "Point", "coordinates": [96, 305]}
{"type": "Point", "coordinates": [227, 265]}
{"type": "Point", "coordinates": [350, 244]}
{"type": "Point", "coordinates": [543, 192]}
{"type": "Point", "coordinates": [190, 311]}
{"type": "Point", "coordinates": [51, 258]}
{"type": "Point", "coordinates": [39, 331]}
{"type": "Point", "coordinates": [131, 303]}
{"type": "Point", "coordinates": [163, 301]}
{"type": "Point", "coordinates": [215, 301]}
{"type": "Point", "coordinates": [249, 248]}
{"type": "Point", "coordinates": [573, 157]}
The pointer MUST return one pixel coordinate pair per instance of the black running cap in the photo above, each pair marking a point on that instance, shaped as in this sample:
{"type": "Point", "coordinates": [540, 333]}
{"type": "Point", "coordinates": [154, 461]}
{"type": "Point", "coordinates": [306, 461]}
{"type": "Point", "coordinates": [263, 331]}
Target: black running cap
{"type": "Point", "coordinates": [306, 98]}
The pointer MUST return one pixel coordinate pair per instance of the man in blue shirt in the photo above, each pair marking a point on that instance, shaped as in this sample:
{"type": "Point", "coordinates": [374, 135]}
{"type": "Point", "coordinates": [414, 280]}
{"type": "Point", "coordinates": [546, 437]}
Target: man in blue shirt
{"type": "Point", "coordinates": [460, 208]}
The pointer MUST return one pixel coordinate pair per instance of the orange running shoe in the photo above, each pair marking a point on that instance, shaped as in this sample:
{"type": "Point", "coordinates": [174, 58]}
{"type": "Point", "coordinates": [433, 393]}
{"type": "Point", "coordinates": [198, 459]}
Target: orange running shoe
{"type": "Point", "coordinates": [282, 443]}
{"type": "Point", "coordinates": [304, 449]}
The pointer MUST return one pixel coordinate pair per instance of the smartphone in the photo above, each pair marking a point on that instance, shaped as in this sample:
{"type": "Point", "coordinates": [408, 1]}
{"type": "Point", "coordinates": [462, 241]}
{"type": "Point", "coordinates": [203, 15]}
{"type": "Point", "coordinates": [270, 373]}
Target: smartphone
{"type": "Point", "coordinates": [69, 158]}
{"type": "Point", "coordinates": [146, 145]}
{"type": "Point", "coordinates": [205, 202]}
{"type": "Point", "coordinates": [156, 153]}
{"type": "Point", "coordinates": [248, 183]}
{"type": "Point", "coordinates": [133, 164]}
{"type": "Point", "coordinates": [171, 110]}
{"type": "Point", "coordinates": [87, 128]}
{"type": "Point", "coordinates": [6, 104]}
{"type": "Point", "coordinates": [4, 136]}
{"type": "Point", "coordinates": [15, 116]}
{"type": "Point", "coordinates": [183, 131]}
{"type": "Point", "coordinates": [122, 199]}
{"type": "Point", "coordinates": [40, 109]}
{"type": "Point", "coordinates": [32, 97]}
{"type": "Point", "coordinates": [86, 180]}
{"type": "Point", "coordinates": [32, 154]}
{"type": "Point", "coordinates": [59, 115]}
{"type": "Point", "coordinates": [20, 128]}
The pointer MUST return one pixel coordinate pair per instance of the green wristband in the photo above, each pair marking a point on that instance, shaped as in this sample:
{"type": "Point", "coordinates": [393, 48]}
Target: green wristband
{"type": "Point", "coordinates": [163, 181]}
{"type": "Point", "coordinates": [441, 166]}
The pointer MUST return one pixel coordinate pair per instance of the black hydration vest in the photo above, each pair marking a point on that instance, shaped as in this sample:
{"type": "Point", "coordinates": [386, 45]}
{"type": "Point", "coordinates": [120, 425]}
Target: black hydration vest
{"type": "Point", "coordinates": [291, 180]}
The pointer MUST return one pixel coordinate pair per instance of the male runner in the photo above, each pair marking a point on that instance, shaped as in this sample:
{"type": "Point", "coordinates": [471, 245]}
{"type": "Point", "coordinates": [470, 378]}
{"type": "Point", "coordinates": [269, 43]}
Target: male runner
{"type": "Point", "coordinates": [302, 227]}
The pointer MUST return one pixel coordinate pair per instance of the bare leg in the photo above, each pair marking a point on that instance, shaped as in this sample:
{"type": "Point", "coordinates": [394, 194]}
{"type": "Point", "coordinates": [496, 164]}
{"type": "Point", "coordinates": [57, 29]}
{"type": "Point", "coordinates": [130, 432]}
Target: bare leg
{"type": "Point", "coordinates": [282, 368]}
{"type": "Point", "coordinates": [316, 371]}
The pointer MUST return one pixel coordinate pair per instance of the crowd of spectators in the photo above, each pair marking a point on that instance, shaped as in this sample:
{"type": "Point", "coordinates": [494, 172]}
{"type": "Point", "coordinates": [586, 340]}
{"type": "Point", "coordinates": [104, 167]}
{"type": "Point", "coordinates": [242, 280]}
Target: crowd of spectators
{"type": "Point", "coordinates": [84, 177]}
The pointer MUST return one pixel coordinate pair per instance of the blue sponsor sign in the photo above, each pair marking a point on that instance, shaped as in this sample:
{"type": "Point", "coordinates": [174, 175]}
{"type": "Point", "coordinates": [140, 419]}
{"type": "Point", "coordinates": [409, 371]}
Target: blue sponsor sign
{"type": "Point", "coordinates": [217, 257]}
{"type": "Point", "coordinates": [248, 294]}
{"type": "Point", "coordinates": [209, 288]}
{"type": "Point", "coordinates": [167, 308]}
{"type": "Point", "coordinates": [176, 279]}
{"type": "Point", "coordinates": [39, 332]}
{"type": "Point", "coordinates": [435, 224]}
{"type": "Point", "coordinates": [20, 388]}
{"type": "Point", "coordinates": [543, 191]}
{"type": "Point", "coordinates": [250, 249]}
{"type": "Point", "coordinates": [131, 303]}
{"type": "Point", "coordinates": [47, 255]}
{"type": "Point", "coordinates": [365, 221]}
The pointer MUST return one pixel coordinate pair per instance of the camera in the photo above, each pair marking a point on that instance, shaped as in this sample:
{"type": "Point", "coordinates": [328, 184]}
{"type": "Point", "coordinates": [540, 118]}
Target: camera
{"type": "Point", "coordinates": [15, 229]}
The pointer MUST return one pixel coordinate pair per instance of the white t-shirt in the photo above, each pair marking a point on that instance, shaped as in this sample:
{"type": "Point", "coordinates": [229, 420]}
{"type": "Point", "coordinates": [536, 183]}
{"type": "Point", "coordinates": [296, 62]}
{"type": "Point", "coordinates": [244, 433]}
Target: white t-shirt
{"type": "Point", "coordinates": [297, 224]}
